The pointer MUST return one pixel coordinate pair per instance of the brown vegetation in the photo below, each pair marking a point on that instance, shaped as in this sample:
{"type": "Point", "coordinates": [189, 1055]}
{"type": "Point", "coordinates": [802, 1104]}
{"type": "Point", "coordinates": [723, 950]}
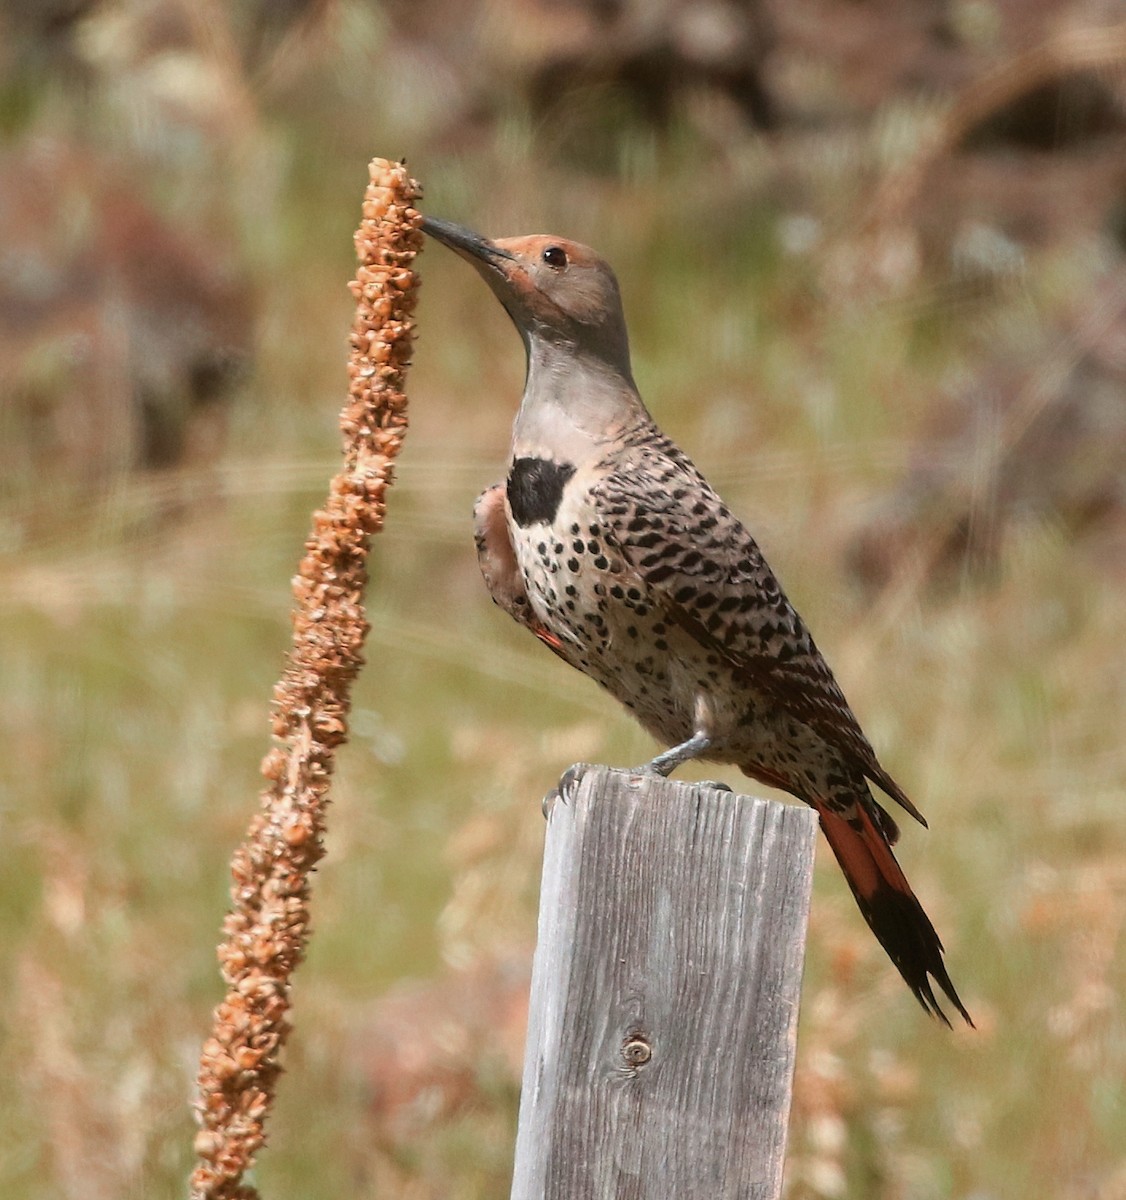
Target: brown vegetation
{"type": "Point", "coordinates": [267, 929]}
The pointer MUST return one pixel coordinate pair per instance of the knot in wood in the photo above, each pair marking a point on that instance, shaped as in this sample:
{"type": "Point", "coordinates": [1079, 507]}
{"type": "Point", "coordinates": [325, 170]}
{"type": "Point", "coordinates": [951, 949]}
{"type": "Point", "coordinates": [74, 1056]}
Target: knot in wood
{"type": "Point", "coordinates": [636, 1051]}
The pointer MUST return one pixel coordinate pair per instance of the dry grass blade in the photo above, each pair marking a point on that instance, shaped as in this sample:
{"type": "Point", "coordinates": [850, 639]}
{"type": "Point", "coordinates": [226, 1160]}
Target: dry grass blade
{"type": "Point", "coordinates": [267, 928]}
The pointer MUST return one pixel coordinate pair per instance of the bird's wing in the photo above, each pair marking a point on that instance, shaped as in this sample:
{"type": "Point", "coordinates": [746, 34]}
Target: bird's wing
{"type": "Point", "coordinates": [497, 560]}
{"type": "Point", "coordinates": [708, 573]}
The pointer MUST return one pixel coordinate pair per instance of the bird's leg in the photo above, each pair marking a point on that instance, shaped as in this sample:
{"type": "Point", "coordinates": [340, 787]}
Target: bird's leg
{"type": "Point", "coordinates": [698, 744]}
{"type": "Point", "coordinates": [664, 764]}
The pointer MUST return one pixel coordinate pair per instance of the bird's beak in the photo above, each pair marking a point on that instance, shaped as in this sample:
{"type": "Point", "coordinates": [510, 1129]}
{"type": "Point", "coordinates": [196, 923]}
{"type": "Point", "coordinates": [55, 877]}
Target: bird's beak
{"type": "Point", "coordinates": [502, 270]}
{"type": "Point", "coordinates": [478, 250]}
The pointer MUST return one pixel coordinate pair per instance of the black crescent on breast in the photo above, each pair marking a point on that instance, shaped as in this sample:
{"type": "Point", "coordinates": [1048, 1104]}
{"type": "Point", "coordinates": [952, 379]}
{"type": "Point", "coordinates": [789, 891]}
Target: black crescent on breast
{"type": "Point", "coordinates": [535, 489]}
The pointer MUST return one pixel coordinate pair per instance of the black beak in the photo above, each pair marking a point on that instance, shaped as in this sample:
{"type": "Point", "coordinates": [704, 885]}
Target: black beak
{"type": "Point", "coordinates": [465, 242]}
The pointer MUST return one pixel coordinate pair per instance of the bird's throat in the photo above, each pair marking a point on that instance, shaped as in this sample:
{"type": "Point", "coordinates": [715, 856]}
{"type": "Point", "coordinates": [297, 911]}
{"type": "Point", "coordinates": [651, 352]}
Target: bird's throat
{"type": "Point", "coordinates": [573, 404]}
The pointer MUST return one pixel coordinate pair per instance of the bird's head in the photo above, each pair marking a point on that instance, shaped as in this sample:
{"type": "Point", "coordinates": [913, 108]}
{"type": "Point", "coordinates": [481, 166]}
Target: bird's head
{"type": "Point", "coordinates": [552, 288]}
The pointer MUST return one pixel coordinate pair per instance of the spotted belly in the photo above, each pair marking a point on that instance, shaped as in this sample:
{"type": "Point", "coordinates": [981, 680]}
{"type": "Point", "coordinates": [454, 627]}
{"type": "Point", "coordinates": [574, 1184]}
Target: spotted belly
{"type": "Point", "coordinates": [609, 628]}
{"type": "Point", "coordinates": [605, 622]}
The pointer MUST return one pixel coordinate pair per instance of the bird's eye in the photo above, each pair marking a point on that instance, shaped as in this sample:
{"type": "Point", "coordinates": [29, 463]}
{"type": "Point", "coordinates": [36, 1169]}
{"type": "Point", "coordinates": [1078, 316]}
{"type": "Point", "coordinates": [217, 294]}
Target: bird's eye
{"type": "Point", "coordinates": [555, 256]}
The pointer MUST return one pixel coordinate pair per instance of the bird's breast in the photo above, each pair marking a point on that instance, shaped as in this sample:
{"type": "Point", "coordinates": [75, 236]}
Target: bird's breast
{"type": "Point", "coordinates": [612, 627]}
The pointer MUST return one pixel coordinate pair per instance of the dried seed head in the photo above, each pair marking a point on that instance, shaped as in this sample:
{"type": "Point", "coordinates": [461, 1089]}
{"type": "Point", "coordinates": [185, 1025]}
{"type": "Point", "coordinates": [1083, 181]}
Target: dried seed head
{"type": "Point", "coordinates": [267, 928]}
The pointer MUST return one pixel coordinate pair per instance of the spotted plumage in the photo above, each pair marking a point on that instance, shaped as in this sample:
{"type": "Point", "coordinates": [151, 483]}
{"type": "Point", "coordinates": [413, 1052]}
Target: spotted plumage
{"type": "Point", "coordinates": [610, 546]}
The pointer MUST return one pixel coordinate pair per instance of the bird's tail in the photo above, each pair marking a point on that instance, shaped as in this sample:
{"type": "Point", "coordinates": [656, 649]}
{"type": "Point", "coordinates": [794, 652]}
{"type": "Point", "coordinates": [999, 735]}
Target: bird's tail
{"type": "Point", "coordinates": [889, 905]}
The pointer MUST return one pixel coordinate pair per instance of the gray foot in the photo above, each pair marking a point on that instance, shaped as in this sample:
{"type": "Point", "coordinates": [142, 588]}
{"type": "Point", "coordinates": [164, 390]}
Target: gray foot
{"type": "Point", "coordinates": [648, 769]}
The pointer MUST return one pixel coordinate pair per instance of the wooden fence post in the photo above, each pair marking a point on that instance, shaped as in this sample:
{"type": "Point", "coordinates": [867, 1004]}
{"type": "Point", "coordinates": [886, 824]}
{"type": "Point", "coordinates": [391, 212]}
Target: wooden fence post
{"type": "Point", "coordinates": [665, 990]}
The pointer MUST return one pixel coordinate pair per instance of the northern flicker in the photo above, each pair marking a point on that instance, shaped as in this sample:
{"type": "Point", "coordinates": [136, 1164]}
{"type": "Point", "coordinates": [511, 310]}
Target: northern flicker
{"type": "Point", "coordinates": [609, 545]}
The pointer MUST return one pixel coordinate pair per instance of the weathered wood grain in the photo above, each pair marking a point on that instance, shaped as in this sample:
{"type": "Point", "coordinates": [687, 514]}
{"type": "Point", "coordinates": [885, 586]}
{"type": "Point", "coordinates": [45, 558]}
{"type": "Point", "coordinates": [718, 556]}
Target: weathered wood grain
{"type": "Point", "coordinates": [665, 994]}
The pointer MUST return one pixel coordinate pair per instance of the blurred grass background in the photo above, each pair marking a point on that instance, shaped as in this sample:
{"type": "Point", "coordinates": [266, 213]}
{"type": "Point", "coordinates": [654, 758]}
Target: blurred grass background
{"type": "Point", "coordinates": [892, 333]}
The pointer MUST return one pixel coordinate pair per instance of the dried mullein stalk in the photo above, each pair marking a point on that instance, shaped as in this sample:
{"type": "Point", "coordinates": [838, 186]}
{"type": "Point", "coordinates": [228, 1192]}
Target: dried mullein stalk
{"type": "Point", "coordinates": [266, 931]}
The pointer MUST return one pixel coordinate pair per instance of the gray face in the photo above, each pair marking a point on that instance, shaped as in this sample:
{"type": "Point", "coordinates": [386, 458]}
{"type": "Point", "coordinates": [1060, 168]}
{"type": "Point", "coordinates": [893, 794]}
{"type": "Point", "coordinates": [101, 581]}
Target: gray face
{"type": "Point", "coordinates": [552, 288]}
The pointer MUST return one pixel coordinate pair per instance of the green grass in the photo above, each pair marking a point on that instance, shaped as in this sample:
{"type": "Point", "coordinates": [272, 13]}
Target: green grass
{"type": "Point", "coordinates": [137, 651]}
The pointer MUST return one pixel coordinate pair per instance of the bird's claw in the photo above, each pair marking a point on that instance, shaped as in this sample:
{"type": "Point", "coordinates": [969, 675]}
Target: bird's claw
{"type": "Point", "coordinates": [565, 789]}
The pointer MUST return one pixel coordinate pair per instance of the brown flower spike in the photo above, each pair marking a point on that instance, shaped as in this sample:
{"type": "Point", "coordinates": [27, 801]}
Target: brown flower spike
{"type": "Point", "coordinates": [267, 928]}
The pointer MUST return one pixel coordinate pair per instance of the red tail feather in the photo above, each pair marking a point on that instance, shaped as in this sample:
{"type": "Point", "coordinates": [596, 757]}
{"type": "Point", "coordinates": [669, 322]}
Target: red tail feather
{"type": "Point", "coordinates": [889, 905]}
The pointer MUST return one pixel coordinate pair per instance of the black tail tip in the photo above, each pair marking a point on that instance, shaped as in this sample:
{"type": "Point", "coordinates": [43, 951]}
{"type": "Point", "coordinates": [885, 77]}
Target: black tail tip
{"type": "Point", "coordinates": [924, 993]}
{"type": "Point", "coordinates": [906, 933]}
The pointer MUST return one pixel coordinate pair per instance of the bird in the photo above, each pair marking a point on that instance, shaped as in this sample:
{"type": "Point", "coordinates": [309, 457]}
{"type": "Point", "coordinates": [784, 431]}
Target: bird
{"type": "Point", "coordinates": [610, 546]}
